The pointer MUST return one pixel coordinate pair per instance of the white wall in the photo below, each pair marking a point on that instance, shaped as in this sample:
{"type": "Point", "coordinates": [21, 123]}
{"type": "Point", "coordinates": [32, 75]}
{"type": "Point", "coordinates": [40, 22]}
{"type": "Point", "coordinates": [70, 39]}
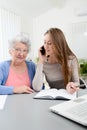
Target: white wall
{"type": "Point", "coordinates": [27, 28]}
{"type": "Point", "coordinates": [65, 18]}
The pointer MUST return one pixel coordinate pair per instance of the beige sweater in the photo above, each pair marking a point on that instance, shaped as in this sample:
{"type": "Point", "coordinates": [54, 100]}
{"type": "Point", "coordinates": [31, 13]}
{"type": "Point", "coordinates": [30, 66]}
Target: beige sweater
{"type": "Point", "coordinates": [54, 75]}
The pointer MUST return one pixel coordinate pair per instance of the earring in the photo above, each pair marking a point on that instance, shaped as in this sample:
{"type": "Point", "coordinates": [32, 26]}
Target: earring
{"type": "Point", "coordinates": [48, 57]}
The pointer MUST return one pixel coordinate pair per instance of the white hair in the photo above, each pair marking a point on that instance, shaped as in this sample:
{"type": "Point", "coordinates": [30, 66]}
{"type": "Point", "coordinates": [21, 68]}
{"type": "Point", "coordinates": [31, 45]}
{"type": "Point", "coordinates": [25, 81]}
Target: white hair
{"type": "Point", "coordinates": [20, 38]}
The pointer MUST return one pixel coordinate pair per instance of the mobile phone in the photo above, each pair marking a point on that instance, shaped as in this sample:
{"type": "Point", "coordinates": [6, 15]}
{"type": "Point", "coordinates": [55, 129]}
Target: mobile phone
{"type": "Point", "coordinates": [42, 50]}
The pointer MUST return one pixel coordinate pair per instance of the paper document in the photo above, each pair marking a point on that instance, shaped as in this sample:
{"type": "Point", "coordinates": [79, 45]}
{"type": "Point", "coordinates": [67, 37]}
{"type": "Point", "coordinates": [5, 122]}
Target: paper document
{"type": "Point", "coordinates": [2, 101]}
{"type": "Point", "coordinates": [54, 94]}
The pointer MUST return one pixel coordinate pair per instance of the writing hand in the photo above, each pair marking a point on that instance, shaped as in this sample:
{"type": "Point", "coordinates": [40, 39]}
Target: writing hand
{"type": "Point", "coordinates": [71, 87]}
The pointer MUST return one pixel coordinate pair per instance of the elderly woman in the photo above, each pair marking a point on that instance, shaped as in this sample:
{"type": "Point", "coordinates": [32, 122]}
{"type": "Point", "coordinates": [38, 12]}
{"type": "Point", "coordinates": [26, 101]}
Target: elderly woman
{"type": "Point", "coordinates": [16, 75]}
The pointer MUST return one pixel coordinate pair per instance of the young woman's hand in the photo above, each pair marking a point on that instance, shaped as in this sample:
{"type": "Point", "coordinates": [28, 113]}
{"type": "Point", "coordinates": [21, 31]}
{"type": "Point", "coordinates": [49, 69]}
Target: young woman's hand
{"type": "Point", "coordinates": [71, 87]}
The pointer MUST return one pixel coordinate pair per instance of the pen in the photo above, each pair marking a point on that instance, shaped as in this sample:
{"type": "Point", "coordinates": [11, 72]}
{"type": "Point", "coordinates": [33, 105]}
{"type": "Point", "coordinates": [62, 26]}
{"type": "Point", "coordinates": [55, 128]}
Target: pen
{"type": "Point", "coordinates": [81, 85]}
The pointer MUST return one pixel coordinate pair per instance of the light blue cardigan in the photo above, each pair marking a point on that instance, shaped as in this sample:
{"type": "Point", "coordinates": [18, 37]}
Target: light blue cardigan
{"type": "Point", "coordinates": [4, 71]}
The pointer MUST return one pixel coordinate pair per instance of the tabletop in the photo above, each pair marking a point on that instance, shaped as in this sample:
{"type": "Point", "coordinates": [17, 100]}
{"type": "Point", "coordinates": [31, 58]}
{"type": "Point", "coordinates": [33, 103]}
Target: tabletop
{"type": "Point", "coordinates": [22, 112]}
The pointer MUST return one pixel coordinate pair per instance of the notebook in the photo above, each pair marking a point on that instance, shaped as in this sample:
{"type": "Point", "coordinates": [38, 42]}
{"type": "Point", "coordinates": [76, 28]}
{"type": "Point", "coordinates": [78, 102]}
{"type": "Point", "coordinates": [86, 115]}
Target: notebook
{"type": "Point", "coordinates": [75, 110]}
{"type": "Point", "coordinates": [54, 94]}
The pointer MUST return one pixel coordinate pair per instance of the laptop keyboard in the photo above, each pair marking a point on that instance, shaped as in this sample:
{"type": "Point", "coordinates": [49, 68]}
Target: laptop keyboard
{"type": "Point", "coordinates": [79, 110]}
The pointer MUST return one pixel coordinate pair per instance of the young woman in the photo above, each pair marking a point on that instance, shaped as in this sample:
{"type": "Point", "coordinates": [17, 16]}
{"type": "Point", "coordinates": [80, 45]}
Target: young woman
{"type": "Point", "coordinates": [59, 64]}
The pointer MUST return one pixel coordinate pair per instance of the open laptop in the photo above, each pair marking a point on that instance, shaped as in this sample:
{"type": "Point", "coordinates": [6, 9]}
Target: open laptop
{"type": "Point", "coordinates": [75, 110]}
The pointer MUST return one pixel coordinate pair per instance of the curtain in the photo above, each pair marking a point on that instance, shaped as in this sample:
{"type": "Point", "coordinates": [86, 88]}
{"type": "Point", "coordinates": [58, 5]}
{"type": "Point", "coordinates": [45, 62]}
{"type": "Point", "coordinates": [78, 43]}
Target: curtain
{"type": "Point", "coordinates": [10, 25]}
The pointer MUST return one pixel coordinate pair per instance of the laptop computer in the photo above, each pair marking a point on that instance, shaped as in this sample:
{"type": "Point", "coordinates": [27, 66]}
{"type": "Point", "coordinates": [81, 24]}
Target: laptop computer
{"type": "Point", "coordinates": [75, 110]}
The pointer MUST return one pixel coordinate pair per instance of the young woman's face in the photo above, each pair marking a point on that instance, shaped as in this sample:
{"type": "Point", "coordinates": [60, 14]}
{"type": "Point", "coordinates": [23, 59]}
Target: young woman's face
{"type": "Point", "coordinates": [48, 45]}
{"type": "Point", "coordinates": [19, 52]}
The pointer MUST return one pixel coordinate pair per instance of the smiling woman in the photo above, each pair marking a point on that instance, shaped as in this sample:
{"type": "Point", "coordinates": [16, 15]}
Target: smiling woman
{"type": "Point", "coordinates": [16, 75]}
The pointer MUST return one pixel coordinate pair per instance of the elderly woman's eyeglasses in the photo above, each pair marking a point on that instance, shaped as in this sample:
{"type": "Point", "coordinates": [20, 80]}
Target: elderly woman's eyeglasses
{"type": "Point", "coordinates": [19, 51]}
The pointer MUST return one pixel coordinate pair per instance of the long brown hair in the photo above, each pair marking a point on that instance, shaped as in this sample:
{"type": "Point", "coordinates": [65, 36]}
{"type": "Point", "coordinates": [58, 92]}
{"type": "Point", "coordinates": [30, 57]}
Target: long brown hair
{"type": "Point", "coordinates": [62, 51]}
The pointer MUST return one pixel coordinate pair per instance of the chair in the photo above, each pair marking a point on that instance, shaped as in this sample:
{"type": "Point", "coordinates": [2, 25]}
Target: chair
{"type": "Point", "coordinates": [82, 81]}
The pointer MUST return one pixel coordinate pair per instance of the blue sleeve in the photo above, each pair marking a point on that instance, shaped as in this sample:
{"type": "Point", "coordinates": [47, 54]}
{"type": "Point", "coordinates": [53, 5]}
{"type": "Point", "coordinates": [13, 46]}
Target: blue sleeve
{"type": "Point", "coordinates": [4, 69]}
{"type": "Point", "coordinates": [5, 90]}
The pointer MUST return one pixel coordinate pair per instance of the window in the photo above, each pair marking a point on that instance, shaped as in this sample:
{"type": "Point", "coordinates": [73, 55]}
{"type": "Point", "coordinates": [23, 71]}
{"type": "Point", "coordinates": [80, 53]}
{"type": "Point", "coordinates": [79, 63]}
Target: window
{"type": "Point", "coordinates": [10, 25]}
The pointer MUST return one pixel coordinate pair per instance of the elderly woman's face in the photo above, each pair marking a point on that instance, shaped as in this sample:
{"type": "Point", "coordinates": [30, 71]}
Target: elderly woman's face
{"type": "Point", "coordinates": [19, 52]}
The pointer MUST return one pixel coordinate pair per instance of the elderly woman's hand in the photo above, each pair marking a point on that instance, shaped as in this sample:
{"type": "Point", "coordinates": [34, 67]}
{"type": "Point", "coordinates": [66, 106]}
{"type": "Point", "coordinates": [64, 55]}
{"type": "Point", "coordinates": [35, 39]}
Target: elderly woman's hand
{"type": "Point", "coordinates": [23, 89]}
{"type": "Point", "coordinates": [71, 87]}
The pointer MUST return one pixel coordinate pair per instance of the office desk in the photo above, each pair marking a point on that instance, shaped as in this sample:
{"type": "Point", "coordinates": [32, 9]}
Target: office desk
{"type": "Point", "coordinates": [22, 112]}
